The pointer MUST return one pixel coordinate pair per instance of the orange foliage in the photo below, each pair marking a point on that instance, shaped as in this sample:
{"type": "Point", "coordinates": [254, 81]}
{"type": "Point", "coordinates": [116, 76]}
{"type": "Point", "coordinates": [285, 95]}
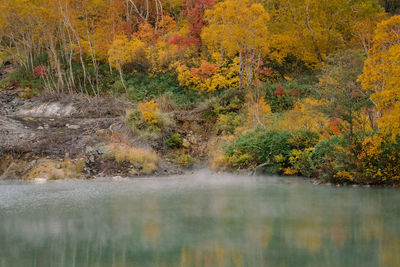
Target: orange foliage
{"type": "Point", "coordinates": [206, 70]}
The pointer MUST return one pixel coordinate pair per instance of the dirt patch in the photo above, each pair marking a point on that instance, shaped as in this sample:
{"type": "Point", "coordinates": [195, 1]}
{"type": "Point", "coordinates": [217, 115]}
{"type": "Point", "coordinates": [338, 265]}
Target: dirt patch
{"type": "Point", "coordinates": [60, 127]}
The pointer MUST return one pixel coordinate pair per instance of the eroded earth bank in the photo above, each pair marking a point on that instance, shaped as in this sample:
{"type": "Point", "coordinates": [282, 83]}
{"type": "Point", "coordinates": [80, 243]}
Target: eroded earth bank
{"type": "Point", "coordinates": [56, 137]}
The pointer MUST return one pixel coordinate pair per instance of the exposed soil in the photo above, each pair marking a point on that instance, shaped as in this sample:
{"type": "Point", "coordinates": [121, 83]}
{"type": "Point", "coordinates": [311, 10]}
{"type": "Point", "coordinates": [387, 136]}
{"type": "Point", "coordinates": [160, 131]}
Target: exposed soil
{"type": "Point", "coordinates": [60, 127]}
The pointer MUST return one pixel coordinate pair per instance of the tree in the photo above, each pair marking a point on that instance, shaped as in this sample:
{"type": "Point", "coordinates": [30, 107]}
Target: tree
{"type": "Point", "coordinates": [238, 28]}
{"type": "Point", "coordinates": [312, 29]}
{"type": "Point", "coordinates": [124, 53]}
{"type": "Point", "coordinates": [338, 85]}
{"type": "Point", "coordinates": [194, 10]}
{"type": "Point", "coordinates": [381, 75]}
{"type": "Point", "coordinates": [391, 6]}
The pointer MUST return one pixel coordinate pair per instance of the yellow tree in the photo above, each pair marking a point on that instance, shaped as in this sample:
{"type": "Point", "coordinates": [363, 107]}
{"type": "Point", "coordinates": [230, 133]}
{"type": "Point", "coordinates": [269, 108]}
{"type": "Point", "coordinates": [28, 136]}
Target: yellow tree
{"type": "Point", "coordinates": [124, 52]}
{"type": "Point", "coordinates": [238, 28]}
{"type": "Point", "coordinates": [381, 75]}
{"type": "Point", "coordinates": [312, 29]}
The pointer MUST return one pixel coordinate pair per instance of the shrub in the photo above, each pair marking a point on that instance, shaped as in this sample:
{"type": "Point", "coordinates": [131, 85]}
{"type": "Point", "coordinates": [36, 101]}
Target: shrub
{"type": "Point", "coordinates": [283, 96]}
{"type": "Point", "coordinates": [29, 93]}
{"type": "Point", "coordinates": [304, 139]}
{"type": "Point", "coordinates": [143, 86]}
{"type": "Point", "coordinates": [227, 123]}
{"type": "Point", "coordinates": [326, 151]}
{"type": "Point", "coordinates": [261, 147]}
{"type": "Point", "coordinates": [299, 163]}
{"type": "Point", "coordinates": [184, 160]}
{"type": "Point", "coordinates": [329, 157]}
{"type": "Point", "coordinates": [175, 141]}
{"type": "Point", "coordinates": [162, 122]}
{"type": "Point", "coordinates": [280, 152]}
{"type": "Point", "coordinates": [379, 159]}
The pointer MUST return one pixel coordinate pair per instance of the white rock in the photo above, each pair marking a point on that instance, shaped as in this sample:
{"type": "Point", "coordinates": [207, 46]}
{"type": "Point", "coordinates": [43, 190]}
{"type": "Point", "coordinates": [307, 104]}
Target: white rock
{"type": "Point", "coordinates": [40, 180]}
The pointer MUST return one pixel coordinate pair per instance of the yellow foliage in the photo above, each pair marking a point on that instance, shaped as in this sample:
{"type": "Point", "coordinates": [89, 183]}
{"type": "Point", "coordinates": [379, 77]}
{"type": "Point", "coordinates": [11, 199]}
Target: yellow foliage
{"type": "Point", "coordinates": [217, 77]}
{"type": "Point", "coordinates": [381, 75]}
{"type": "Point", "coordinates": [238, 28]}
{"type": "Point", "coordinates": [304, 116]}
{"type": "Point", "coordinates": [149, 111]}
{"type": "Point", "coordinates": [312, 29]}
{"type": "Point", "coordinates": [371, 148]}
{"type": "Point", "coordinates": [344, 175]}
{"type": "Point", "coordinates": [124, 51]}
{"type": "Point", "coordinates": [237, 25]}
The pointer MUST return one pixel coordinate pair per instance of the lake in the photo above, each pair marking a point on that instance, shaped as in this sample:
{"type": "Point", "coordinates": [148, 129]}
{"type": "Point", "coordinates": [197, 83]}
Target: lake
{"type": "Point", "coordinates": [199, 219]}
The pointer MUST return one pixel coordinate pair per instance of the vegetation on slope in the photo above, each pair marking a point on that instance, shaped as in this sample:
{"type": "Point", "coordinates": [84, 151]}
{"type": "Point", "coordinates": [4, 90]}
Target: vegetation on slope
{"type": "Point", "coordinates": [291, 87]}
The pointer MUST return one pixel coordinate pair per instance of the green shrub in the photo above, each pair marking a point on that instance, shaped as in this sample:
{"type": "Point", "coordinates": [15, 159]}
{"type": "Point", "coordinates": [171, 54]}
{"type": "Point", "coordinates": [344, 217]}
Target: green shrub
{"type": "Point", "coordinates": [330, 157]}
{"type": "Point", "coordinates": [262, 146]}
{"type": "Point", "coordinates": [145, 87]}
{"type": "Point", "coordinates": [175, 141]}
{"type": "Point", "coordinates": [326, 151]}
{"type": "Point", "coordinates": [280, 152]}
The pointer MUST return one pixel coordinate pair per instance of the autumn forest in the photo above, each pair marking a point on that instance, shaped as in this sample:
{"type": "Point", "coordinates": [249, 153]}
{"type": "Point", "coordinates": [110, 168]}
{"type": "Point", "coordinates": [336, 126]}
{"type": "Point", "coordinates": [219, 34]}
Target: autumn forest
{"type": "Point", "coordinates": [291, 87]}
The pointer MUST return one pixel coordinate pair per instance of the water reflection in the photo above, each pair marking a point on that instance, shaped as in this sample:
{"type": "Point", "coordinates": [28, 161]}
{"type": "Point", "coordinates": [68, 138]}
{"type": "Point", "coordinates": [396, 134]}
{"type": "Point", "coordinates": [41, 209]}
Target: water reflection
{"type": "Point", "coordinates": [197, 221]}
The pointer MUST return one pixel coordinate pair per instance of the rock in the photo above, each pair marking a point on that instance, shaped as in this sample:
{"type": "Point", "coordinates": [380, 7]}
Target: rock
{"type": "Point", "coordinates": [88, 149]}
{"type": "Point", "coordinates": [73, 127]}
{"type": "Point", "coordinates": [58, 166]}
{"type": "Point", "coordinates": [40, 180]}
{"type": "Point", "coordinates": [185, 143]}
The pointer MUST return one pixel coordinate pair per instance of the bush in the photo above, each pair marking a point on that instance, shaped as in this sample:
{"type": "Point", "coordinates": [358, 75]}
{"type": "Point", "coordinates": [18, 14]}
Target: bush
{"type": "Point", "coordinates": [304, 139]}
{"type": "Point", "coordinates": [330, 157]}
{"type": "Point", "coordinates": [283, 96]}
{"type": "Point", "coordinates": [184, 160]}
{"type": "Point", "coordinates": [175, 141]}
{"type": "Point", "coordinates": [162, 122]}
{"type": "Point", "coordinates": [261, 147]}
{"type": "Point", "coordinates": [142, 87]}
{"type": "Point", "coordinates": [227, 123]}
{"type": "Point", "coordinates": [280, 152]}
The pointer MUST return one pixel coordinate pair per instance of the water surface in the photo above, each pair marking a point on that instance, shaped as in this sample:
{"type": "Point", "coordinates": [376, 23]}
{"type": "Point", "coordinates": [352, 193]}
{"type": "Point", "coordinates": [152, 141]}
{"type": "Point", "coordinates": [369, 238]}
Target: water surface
{"type": "Point", "coordinates": [202, 219]}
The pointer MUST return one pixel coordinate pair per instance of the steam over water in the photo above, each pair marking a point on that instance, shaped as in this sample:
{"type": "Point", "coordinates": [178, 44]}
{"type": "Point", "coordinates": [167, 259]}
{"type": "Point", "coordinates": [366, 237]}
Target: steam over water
{"type": "Point", "coordinates": [201, 219]}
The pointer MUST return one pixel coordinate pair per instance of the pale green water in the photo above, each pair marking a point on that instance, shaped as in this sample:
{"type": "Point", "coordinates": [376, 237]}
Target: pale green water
{"type": "Point", "coordinates": [199, 220]}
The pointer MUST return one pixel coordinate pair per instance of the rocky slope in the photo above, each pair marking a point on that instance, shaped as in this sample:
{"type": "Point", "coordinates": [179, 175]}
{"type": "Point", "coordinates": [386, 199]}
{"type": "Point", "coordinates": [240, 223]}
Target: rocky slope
{"type": "Point", "coordinates": [43, 136]}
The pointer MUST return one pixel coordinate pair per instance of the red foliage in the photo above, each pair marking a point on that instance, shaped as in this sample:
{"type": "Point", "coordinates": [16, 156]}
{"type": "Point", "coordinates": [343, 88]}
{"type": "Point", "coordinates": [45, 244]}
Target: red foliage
{"type": "Point", "coordinates": [263, 69]}
{"type": "Point", "coordinates": [280, 91]}
{"type": "Point", "coordinates": [182, 41]}
{"type": "Point", "coordinates": [194, 10]}
{"type": "Point", "coordinates": [40, 71]}
{"type": "Point", "coordinates": [295, 92]}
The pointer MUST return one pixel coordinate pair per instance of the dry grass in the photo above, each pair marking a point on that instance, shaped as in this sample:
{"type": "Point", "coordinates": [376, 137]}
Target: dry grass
{"type": "Point", "coordinates": [48, 169]}
{"type": "Point", "coordinates": [146, 161]}
{"type": "Point", "coordinates": [166, 102]}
